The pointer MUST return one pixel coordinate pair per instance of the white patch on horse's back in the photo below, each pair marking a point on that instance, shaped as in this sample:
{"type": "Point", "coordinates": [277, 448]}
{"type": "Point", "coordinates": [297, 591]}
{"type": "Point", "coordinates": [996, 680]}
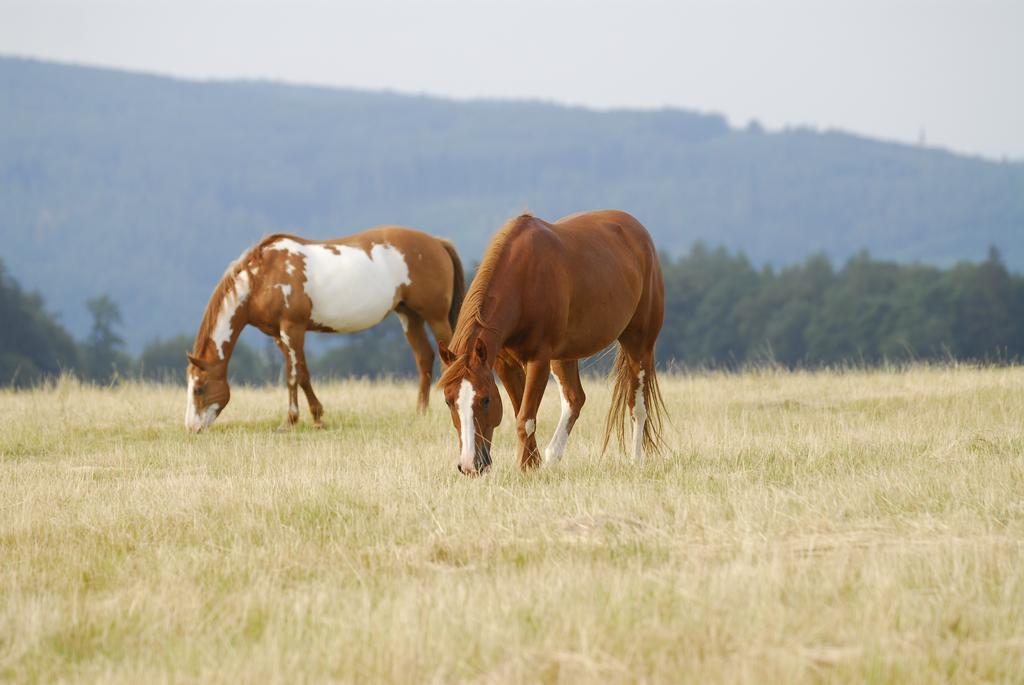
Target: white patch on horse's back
{"type": "Point", "coordinates": [465, 405]}
{"type": "Point", "coordinates": [639, 417]}
{"type": "Point", "coordinates": [556, 447]}
{"type": "Point", "coordinates": [293, 371]}
{"type": "Point", "coordinates": [350, 290]}
{"type": "Point", "coordinates": [287, 245]}
{"type": "Point", "coordinates": [234, 297]}
{"type": "Point", "coordinates": [286, 292]}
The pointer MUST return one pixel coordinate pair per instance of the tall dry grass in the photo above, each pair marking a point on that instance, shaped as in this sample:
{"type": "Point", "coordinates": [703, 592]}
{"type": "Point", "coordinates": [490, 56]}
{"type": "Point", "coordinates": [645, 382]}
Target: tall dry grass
{"type": "Point", "coordinates": [851, 527]}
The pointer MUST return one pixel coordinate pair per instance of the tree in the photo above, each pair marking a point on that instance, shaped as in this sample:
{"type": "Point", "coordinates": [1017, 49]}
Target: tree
{"type": "Point", "coordinates": [33, 345]}
{"type": "Point", "coordinates": [104, 355]}
{"type": "Point", "coordinates": [987, 317]}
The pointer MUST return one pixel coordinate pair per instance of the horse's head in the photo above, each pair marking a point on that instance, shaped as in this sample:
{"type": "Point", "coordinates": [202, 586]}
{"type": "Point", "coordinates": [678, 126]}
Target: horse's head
{"type": "Point", "coordinates": [473, 399]}
{"type": "Point", "coordinates": [208, 392]}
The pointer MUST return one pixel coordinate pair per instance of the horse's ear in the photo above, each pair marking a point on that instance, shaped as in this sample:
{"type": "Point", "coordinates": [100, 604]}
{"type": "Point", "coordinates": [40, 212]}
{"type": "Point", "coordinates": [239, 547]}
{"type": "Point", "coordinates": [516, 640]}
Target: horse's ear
{"type": "Point", "coordinates": [480, 351]}
{"type": "Point", "coordinates": [447, 356]}
{"type": "Point", "coordinates": [197, 362]}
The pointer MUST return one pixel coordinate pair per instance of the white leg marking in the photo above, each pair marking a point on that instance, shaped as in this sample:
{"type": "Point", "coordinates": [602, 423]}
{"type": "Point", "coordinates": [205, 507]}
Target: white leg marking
{"type": "Point", "coordinates": [556, 447]}
{"type": "Point", "coordinates": [639, 417]}
{"type": "Point", "coordinates": [465, 404]}
{"type": "Point", "coordinates": [404, 320]}
{"type": "Point", "coordinates": [530, 426]}
{"type": "Point", "coordinates": [293, 372]}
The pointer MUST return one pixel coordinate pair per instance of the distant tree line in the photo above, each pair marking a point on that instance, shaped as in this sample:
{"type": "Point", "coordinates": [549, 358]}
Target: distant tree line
{"type": "Point", "coordinates": [721, 311]}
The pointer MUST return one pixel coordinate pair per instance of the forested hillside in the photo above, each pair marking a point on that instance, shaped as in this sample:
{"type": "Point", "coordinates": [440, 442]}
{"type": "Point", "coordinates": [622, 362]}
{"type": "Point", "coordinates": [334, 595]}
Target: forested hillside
{"type": "Point", "coordinates": [720, 312]}
{"type": "Point", "coordinates": [145, 187]}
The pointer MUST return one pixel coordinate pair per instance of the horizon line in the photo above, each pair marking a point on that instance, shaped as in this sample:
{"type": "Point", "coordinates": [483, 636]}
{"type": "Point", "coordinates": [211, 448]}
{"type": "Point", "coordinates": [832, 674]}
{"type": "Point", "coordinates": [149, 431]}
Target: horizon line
{"type": "Point", "coordinates": [525, 99]}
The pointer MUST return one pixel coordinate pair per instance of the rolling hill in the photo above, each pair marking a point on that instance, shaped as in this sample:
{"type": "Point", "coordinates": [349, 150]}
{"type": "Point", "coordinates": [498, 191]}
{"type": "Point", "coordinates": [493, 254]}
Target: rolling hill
{"type": "Point", "coordinates": [145, 187]}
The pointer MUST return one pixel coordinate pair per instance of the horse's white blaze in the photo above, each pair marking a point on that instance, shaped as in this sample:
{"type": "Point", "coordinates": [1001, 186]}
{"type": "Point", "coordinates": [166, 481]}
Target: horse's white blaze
{"type": "Point", "coordinates": [193, 421]}
{"type": "Point", "coordinates": [293, 371]}
{"type": "Point", "coordinates": [233, 299]}
{"type": "Point", "coordinates": [286, 292]}
{"type": "Point", "coordinates": [467, 425]}
{"type": "Point", "coordinates": [556, 447]}
{"type": "Point", "coordinates": [350, 290]}
{"type": "Point", "coordinates": [639, 417]}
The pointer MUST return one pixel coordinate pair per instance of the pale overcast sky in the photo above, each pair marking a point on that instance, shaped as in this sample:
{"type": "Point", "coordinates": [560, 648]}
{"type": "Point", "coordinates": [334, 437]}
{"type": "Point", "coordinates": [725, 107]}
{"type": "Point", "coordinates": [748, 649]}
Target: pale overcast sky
{"type": "Point", "coordinates": [885, 68]}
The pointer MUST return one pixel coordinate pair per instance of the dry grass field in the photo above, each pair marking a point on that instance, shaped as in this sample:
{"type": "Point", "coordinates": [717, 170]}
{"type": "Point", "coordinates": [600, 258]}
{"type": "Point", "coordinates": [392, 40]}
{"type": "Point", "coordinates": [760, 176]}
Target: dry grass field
{"type": "Point", "coordinates": [846, 527]}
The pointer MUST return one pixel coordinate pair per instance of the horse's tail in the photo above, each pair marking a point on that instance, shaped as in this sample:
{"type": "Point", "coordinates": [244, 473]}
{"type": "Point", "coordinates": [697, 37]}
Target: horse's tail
{"type": "Point", "coordinates": [653, 402]}
{"type": "Point", "coordinates": [458, 282]}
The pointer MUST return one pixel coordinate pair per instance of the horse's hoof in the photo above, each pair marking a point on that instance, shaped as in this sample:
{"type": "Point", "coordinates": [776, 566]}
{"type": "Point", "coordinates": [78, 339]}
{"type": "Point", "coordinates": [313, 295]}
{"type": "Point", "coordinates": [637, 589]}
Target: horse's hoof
{"type": "Point", "coordinates": [530, 463]}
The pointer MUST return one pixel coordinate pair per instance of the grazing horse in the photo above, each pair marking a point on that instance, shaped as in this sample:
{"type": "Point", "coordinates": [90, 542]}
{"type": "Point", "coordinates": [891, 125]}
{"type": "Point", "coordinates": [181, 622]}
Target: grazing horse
{"type": "Point", "coordinates": [287, 285]}
{"type": "Point", "coordinates": [545, 296]}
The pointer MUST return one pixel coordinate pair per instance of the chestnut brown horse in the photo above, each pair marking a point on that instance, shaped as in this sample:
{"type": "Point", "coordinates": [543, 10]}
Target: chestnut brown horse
{"type": "Point", "coordinates": [287, 285]}
{"type": "Point", "coordinates": [545, 296]}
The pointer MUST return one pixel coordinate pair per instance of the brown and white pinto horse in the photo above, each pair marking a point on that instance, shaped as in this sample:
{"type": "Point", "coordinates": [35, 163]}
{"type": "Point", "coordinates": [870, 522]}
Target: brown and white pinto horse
{"type": "Point", "coordinates": [545, 296]}
{"type": "Point", "coordinates": [287, 285]}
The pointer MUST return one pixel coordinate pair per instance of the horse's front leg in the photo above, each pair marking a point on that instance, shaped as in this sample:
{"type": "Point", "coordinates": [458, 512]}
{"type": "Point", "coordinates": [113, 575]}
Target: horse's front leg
{"type": "Point", "coordinates": [513, 377]}
{"type": "Point", "coordinates": [537, 373]}
{"type": "Point", "coordinates": [315, 408]}
{"type": "Point", "coordinates": [290, 341]}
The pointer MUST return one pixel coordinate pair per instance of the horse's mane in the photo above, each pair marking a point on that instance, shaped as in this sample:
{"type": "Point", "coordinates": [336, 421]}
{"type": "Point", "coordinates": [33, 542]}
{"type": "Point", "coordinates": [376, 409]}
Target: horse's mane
{"type": "Point", "coordinates": [472, 305]}
{"type": "Point", "coordinates": [226, 286]}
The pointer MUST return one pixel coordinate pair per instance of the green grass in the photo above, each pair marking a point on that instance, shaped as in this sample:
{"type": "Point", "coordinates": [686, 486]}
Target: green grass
{"type": "Point", "coordinates": [851, 527]}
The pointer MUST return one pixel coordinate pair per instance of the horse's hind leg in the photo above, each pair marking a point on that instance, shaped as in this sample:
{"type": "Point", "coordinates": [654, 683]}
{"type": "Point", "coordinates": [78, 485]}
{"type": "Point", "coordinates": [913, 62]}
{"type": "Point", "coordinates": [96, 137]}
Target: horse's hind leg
{"type": "Point", "coordinates": [416, 334]}
{"type": "Point", "coordinates": [441, 329]}
{"type": "Point", "coordinates": [567, 374]}
{"type": "Point", "coordinates": [639, 361]}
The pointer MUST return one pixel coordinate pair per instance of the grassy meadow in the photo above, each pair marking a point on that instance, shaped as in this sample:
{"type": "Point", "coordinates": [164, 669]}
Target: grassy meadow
{"type": "Point", "coordinates": [858, 526]}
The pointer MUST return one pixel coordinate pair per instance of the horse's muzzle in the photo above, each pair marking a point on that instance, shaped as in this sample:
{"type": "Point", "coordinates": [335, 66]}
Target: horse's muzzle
{"type": "Point", "coordinates": [481, 461]}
